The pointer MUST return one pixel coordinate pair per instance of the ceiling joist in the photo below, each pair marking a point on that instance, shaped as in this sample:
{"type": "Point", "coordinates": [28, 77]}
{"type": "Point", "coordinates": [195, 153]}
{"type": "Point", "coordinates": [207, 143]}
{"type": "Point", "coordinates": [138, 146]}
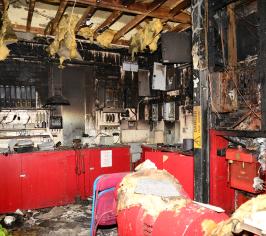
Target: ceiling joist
{"type": "Point", "coordinates": [107, 23]}
{"type": "Point", "coordinates": [87, 14]}
{"type": "Point", "coordinates": [180, 27]}
{"type": "Point", "coordinates": [139, 9]}
{"type": "Point", "coordinates": [30, 14]}
{"type": "Point", "coordinates": [154, 5]}
{"type": "Point", "coordinates": [179, 7]}
{"type": "Point", "coordinates": [58, 16]}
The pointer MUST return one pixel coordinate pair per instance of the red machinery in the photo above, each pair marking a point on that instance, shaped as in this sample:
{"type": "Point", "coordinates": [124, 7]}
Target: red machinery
{"type": "Point", "coordinates": [178, 165]}
{"type": "Point", "coordinates": [231, 174]}
{"type": "Point", "coordinates": [187, 219]}
{"type": "Point", "coordinates": [243, 168]}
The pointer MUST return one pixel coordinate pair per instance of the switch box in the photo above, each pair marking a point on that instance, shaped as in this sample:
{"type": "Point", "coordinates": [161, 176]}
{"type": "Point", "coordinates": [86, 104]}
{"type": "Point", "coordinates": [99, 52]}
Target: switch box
{"type": "Point", "coordinates": [159, 77]}
{"type": "Point", "coordinates": [154, 112]}
{"type": "Point", "coordinates": [169, 111]}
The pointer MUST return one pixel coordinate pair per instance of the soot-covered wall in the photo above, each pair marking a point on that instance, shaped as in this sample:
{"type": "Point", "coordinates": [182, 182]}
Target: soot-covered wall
{"type": "Point", "coordinates": [235, 100]}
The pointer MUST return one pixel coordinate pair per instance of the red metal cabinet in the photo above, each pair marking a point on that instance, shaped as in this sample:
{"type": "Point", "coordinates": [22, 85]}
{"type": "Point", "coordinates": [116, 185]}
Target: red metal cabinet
{"type": "Point", "coordinates": [243, 168]}
{"type": "Point", "coordinates": [49, 179]}
{"type": "Point", "coordinates": [180, 166]}
{"type": "Point", "coordinates": [220, 192]}
{"type": "Point", "coordinates": [46, 179]}
{"type": "Point", "coordinates": [10, 183]}
{"type": "Point", "coordinates": [95, 166]}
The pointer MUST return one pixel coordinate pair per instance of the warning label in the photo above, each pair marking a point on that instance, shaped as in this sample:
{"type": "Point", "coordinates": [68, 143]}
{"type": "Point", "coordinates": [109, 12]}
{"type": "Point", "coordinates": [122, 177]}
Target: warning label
{"type": "Point", "coordinates": [197, 126]}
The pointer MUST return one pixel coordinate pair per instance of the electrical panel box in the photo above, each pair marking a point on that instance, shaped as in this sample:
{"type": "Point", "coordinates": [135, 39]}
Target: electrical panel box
{"type": "Point", "coordinates": [159, 77]}
{"type": "Point", "coordinates": [169, 111]}
{"type": "Point", "coordinates": [171, 78]}
{"type": "Point", "coordinates": [154, 112]}
{"type": "Point", "coordinates": [144, 83]}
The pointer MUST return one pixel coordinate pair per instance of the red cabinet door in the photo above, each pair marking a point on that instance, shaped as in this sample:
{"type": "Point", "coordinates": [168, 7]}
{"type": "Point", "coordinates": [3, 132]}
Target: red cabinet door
{"type": "Point", "coordinates": [180, 166]}
{"type": "Point", "coordinates": [10, 183]}
{"type": "Point", "coordinates": [104, 161]}
{"type": "Point", "coordinates": [47, 179]}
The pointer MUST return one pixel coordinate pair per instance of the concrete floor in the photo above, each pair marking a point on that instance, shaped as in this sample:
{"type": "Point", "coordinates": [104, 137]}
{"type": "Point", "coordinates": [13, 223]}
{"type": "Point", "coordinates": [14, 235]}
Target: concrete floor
{"type": "Point", "coordinates": [70, 220]}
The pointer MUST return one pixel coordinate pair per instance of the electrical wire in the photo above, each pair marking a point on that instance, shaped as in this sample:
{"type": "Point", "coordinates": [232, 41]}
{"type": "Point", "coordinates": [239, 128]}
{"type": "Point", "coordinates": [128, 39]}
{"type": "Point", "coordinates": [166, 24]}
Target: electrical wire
{"type": "Point", "coordinates": [72, 13]}
{"type": "Point", "coordinates": [238, 91]}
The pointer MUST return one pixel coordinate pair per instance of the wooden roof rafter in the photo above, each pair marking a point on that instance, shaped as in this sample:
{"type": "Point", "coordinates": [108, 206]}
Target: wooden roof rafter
{"type": "Point", "coordinates": [30, 14]}
{"type": "Point", "coordinates": [180, 7]}
{"type": "Point", "coordinates": [107, 23]}
{"type": "Point", "coordinates": [58, 16]}
{"type": "Point", "coordinates": [139, 9]}
{"type": "Point", "coordinates": [137, 19]}
{"type": "Point", "coordinates": [87, 14]}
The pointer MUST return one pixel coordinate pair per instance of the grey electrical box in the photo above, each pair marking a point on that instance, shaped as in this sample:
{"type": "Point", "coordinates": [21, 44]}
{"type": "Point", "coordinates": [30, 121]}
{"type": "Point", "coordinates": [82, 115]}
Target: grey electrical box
{"type": "Point", "coordinates": [171, 78]}
{"type": "Point", "coordinates": [159, 77]}
{"type": "Point", "coordinates": [154, 112]}
{"type": "Point", "coordinates": [169, 111]}
{"type": "Point", "coordinates": [144, 83]}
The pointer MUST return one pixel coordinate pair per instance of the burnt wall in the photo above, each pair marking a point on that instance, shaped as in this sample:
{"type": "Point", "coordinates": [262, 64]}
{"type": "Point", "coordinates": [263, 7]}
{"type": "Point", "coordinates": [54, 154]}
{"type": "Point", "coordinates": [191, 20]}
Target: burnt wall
{"type": "Point", "coordinates": [243, 106]}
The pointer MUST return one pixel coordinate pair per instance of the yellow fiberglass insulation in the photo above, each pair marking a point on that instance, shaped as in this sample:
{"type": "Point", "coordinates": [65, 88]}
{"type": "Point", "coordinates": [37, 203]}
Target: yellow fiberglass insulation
{"type": "Point", "coordinates": [226, 228]}
{"type": "Point", "coordinates": [7, 35]}
{"type": "Point", "coordinates": [146, 37]}
{"type": "Point", "coordinates": [87, 33]}
{"type": "Point", "coordinates": [105, 39]}
{"type": "Point", "coordinates": [64, 44]}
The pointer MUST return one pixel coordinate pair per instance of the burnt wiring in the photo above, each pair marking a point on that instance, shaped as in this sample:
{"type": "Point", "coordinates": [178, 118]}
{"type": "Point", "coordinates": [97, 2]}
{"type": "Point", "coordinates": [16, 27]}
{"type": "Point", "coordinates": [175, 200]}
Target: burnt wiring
{"type": "Point", "coordinates": [245, 101]}
{"type": "Point", "coordinates": [211, 96]}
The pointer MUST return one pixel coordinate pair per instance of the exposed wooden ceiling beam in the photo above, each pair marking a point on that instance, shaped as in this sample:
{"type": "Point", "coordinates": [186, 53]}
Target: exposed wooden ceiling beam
{"type": "Point", "coordinates": [137, 19]}
{"type": "Point", "coordinates": [108, 22]}
{"type": "Point", "coordinates": [88, 13]}
{"type": "Point", "coordinates": [58, 16]}
{"type": "Point", "coordinates": [179, 7]}
{"type": "Point", "coordinates": [23, 28]}
{"type": "Point", "coordinates": [180, 27]}
{"type": "Point", "coordinates": [139, 8]}
{"type": "Point", "coordinates": [30, 13]}
{"type": "Point", "coordinates": [40, 31]}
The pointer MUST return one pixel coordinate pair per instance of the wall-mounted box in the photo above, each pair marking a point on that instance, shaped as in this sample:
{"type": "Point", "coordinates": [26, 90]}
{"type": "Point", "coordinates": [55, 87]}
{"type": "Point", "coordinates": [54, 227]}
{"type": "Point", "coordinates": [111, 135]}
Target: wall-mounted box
{"type": "Point", "coordinates": [154, 112]}
{"type": "Point", "coordinates": [169, 111]}
{"type": "Point", "coordinates": [144, 83]}
{"type": "Point", "coordinates": [159, 77]}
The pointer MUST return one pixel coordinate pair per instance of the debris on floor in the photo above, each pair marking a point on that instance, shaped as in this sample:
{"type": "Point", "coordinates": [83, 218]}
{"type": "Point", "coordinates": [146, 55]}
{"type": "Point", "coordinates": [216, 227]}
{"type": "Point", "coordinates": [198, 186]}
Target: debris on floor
{"type": "Point", "coordinates": [70, 220]}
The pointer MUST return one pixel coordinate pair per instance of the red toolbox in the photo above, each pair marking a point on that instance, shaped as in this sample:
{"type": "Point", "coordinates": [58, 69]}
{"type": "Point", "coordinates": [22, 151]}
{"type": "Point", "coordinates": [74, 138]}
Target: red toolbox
{"type": "Point", "coordinates": [243, 168]}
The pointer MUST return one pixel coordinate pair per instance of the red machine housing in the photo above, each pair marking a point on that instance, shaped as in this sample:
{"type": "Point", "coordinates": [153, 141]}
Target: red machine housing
{"type": "Point", "coordinates": [243, 168]}
{"type": "Point", "coordinates": [178, 165]}
{"type": "Point", "coordinates": [187, 221]}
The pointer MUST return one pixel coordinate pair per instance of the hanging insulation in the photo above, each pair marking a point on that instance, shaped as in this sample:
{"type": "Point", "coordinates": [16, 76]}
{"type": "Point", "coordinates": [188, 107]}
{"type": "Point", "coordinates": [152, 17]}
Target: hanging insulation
{"type": "Point", "coordinates": [147, 37]}
{"type": "Point", "coordinates": [7, 35]}
{"type": "Point", "coordinates": [64, 44]}
{"type": "Point", "coordinates": [105, 39]}
{"type": "Point", "coordinates": [87, 33]}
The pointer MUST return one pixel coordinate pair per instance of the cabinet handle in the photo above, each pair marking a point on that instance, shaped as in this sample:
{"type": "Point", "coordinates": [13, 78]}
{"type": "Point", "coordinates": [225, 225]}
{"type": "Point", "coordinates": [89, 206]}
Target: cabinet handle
{"type": "Point", "coordinates": [22, 176]}
{"type": "Point", "coordinates": [91, 168]}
